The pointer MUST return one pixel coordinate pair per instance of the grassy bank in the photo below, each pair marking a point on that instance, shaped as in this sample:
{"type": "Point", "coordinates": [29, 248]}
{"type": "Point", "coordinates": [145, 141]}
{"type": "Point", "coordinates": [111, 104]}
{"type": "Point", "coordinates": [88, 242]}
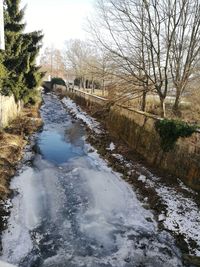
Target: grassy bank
{"type": "Point", "coordinates": [12, 141]}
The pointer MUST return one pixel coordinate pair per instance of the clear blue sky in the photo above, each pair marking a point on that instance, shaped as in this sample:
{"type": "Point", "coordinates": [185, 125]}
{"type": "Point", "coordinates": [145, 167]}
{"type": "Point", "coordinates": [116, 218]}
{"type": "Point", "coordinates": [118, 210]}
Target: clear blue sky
{"type": "Point", "coordinates": [60, 20]}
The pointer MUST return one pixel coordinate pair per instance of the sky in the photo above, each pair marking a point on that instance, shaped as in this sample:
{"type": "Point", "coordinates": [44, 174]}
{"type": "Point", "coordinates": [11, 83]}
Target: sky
{"type": "Point", "coordinates": [60, 20]}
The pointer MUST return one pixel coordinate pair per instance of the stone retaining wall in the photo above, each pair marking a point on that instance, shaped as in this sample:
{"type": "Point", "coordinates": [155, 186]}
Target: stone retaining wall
{"type": "Point", "coordinates": [137, 129]}
{"type": "Point", "coordinates": [8, 109]}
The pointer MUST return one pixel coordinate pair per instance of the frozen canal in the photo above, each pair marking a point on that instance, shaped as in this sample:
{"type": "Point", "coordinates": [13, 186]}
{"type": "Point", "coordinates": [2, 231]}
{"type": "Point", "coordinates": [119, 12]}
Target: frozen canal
{"type": "Point", "coordinates": [71, 210]}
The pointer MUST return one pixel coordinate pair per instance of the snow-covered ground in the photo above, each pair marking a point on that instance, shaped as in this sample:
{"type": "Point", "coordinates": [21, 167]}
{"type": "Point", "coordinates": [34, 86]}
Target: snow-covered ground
{"type": "Point", "coordinates": [81, 115]}
{"type": "Point", "coordinates": [79, 212]}
{"type": "Point", "coordinates": [182, 214]}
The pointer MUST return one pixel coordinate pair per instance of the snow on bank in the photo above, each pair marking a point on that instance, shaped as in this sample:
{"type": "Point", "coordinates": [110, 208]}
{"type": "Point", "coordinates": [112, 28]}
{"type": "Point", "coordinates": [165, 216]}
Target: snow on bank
{"type": "Point", "coordinates": [16, 239]}
{"type": "Point", "coordinates": [81, 115]}
{"type": "Point", "coordinates": [111, 146]}
{"type": "Point", "coordinates": [182, 215]}
{"type": "Point", "coordinates": [108, 188]}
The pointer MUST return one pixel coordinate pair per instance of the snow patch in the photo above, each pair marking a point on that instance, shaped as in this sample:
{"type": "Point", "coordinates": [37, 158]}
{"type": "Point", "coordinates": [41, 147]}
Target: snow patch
{"type": "Point", "coordinates": [142, 178]}
{"type": "Point", "coordinates": [111, 146]}
{"type": "Point", "coordinates": [81, 115]}
{"type": "Point", "coordinates": [17, 235]}
{"type": "Point", "coordinates": [161, 217]}
{"type": "Point", "coordinates": [182, 213]}
{"type": "Point", "coordinates": [119, 157]}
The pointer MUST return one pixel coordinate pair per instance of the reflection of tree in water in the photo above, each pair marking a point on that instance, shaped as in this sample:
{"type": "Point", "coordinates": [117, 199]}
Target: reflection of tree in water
{"type": "Point", "coordinates": [74, 133]}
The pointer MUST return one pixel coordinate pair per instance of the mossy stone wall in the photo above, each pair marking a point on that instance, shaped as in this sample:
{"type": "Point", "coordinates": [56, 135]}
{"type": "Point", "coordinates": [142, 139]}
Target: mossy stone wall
{"type": "Point", "coordinates": [137, 129]}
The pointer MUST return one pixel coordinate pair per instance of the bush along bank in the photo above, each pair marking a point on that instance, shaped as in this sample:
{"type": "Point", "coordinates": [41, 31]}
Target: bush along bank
{"type": "Point", "coordinates": [171, 130]}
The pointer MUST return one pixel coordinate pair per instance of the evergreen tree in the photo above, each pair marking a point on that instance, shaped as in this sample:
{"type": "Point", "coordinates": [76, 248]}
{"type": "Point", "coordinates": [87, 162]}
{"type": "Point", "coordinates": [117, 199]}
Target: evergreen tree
{"type": "Point", "coordinates": [32, 75]}
{"type": "Point", "coordinates": [20, 54]}
{"type": "Point", "coordinates": [3, 72]}
{"type": "Point", "coordinates": [13, 40]}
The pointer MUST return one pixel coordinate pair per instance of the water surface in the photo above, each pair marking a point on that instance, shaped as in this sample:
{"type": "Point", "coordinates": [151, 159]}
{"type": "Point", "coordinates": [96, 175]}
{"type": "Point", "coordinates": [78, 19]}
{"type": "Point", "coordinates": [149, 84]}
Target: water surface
{"type": "Point", "coordinates": [71, 210]}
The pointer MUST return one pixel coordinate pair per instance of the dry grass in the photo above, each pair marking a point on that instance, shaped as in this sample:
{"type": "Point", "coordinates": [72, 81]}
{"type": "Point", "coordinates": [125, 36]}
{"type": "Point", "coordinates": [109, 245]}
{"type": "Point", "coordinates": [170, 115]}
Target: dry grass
{"type": "Point", "coordinates": [189, 106]}
{"type": "Point", "coordinates": [191, 112]}
{"type": "Point", "coordinates": [12, 142]}
{"type": "Point", "coordinates": [96, 92]}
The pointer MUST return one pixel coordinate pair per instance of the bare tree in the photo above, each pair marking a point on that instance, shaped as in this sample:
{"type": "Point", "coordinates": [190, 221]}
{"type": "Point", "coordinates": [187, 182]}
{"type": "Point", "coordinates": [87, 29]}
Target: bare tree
{"type": "Point", "coordinates": [77, 54]}
{"type": "Point", "coordinates": [155, 42]}
{"type": "Point", "coordinates": [52, 62]}
{"type": "Point", "coordinates": [101, 69]}
{"type": "Point", "coordinates": [123, 37]}
{"type": "Point", "coordinates": [185, 48]}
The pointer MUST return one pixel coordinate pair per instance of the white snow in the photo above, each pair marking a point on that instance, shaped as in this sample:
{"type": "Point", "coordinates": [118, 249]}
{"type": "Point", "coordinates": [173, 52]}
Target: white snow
{"type": "Point", "coordinates": [113, 200]}
{"type": "Point", "coordinates": [182, 213]}
{"type": "Point", "coordinates": [115, 207]}
{"type": "Point", "coordinates": [105, 210]}
{"type": "Point", "coordinates": [81, 115]}
{"type": "Point", "coordinates": [111, 146]}
{"type": "Point", "coordinates": [3, 264]}
{"type": "Point", "coordinates": [112, 215]}
{"type": "Point", "coordinates": [142, 178]}
{"type": "Point", "coordinates": [182, 185]}
{"type": "Point", "coordinates": [119, 157]}
{"type": "Point", "coordinates": [161, 217]}
{"type": "Point", "coordinates": [27, 211]}
{"type": "Point", "coordinates": [16, 240]}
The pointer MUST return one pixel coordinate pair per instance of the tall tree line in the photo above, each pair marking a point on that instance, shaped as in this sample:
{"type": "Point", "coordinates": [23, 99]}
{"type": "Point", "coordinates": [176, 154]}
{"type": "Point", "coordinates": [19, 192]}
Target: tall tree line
{"type": "Point", "coordinates": [140, 48]}
{"type": "Point", "coordinates": [153, 43]}
{"type": "Point", "coordinates": [19, 74]}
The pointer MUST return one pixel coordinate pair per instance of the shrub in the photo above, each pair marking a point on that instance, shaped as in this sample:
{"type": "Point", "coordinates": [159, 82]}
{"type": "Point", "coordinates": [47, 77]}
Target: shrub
{"type": "Point", "coordinates": [31, 97]}
{"type": "Point", "coordinates": [171, 130]}
{"type": "Point", "coordinates": [57, 80]}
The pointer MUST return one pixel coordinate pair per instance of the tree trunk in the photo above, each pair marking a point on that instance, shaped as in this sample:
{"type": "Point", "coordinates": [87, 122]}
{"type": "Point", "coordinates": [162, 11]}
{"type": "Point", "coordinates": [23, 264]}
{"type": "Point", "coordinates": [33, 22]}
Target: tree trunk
{"type": "Point", "coordinates": [83, 83]}
{"type": "Point", "coordinates": [103, 87]}
{"type": "Point", "coordinates": [143, 104]}
{"type": "Point", "coordinates": [177, 102]}
{"type": "Point", "coordinates": [162, 107]}
{"type": "Point", "coordinates": [92, 86]}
